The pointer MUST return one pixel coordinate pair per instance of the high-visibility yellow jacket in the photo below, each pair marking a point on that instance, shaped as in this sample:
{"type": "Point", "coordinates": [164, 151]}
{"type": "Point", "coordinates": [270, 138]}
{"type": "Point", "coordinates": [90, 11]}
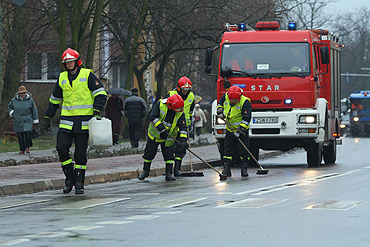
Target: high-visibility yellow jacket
{"type": "Point", "coordinates": [238, 114]}
{"type": "Point", "coordinates": [79, 98]}
{"type": "Point", "coordinates": [172, 121]}
{"type": "Point", "coordinates": [189, 104]}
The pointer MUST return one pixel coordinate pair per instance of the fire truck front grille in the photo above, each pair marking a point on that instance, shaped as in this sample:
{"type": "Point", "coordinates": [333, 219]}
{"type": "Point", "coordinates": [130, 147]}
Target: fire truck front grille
{"type": "Point", "coordinates": [275, 102]}
{"type": "Point", "coordinates": [265, 131]}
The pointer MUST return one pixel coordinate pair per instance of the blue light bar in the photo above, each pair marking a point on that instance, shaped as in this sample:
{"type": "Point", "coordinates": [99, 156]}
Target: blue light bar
{"type": "Point", "coordinates": [288, 101]}
{"type": "Point", "coordinates": [242, 27]}
{"type": "Point", "coordinates": [292, 26]}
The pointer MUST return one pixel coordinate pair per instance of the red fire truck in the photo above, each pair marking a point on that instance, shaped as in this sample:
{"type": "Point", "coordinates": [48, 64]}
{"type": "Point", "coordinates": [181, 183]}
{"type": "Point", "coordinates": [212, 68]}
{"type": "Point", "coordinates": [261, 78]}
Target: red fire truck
{"type": "Point", "coordinates": [293, 80]}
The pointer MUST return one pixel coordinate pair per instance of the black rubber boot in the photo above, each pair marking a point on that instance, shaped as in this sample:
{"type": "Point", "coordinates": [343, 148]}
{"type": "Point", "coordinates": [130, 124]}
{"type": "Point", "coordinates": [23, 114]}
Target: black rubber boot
{"type": "Point", "coordinates": [146, 171]}
{"type": "Point", "coordinates": [69, 182]}
{"type": "Point", "coordinates": [169, 176]}
{"type": "Point", "coordinates": [227, 171]}
{"type": "Point", "coordinates": [243, 168]}
{"type": "Point", "coordinates": [80, 180]}
{"type": "Point", "coordinates": [177, 168]}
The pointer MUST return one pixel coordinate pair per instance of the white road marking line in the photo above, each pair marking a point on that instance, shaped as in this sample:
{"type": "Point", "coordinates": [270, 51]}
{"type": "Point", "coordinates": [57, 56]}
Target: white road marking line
{"type": "Point", "coordinates": [169, 212]}
{"type": "Point", "coordinates": [142, 217]}
{"type": "Point", "coordinates": [20, 202]}
{"type": "Point", "coordinates": [336, 205]}
{"type": "Point", "coordinates": [48, 235]}
{"type": "Point", "coordinates": [13, 241]}
{"type": "Point", "coordinates": [252, 203]}
{"type": "Point", "coordinates": [171, 203]}
{"type": "Point", "coordinates": [114, 222]}
{"type": "Point", "coordinates": [81, 228]}
{"type": "Point", "coordinates": [89, 203]}
{"type": "Point", "coordinates": [303, 182]}
{"type": "Point", "coordinates": [367, 167]}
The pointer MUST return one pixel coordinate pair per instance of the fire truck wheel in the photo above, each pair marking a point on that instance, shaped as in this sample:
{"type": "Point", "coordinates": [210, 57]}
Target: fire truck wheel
{"type": "Point", "coordinates": [330, 152]}
{"type": "Point", "coordinates": [314, 155]}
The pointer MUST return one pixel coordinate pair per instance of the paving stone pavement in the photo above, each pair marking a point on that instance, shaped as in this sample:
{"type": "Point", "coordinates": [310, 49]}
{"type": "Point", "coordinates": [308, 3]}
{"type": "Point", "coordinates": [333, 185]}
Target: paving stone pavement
{"type": "Point", "coordinates": [32, 178]}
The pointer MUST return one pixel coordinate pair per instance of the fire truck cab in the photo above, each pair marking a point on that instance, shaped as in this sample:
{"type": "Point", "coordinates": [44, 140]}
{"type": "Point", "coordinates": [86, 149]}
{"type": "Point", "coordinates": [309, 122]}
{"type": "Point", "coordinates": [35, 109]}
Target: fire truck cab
{"type": "Point", "coordinates": [293, 80]}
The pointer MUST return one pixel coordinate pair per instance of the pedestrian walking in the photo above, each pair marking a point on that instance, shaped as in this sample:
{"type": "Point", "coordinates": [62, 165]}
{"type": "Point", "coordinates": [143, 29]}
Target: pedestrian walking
{"type": "Point", "coordinates": [135, 111]}
{"type": "Point", "coordinates": [114, 111]}
{"type": "Point", "coordinates": [82, 96]}
{"type": "Point", "coordinates": [183, 89]}
{"type": "Point", "coordinates": [237, 110]}
{"type": "Point", "coordinates": [167, 118]}
{"type": "Point", "coordinates": [24, 112]}
{"type": "Point", "coordinates": [199, 119]}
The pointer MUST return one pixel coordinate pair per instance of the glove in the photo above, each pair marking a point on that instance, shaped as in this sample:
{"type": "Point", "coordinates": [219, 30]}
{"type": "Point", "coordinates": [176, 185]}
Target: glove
{"type": "Point", "coordinates": [47, 122]}
{"type": "Point", "coordinates": [163, 134]}
{"type": "Point", "coordinates": [97, 114]}
{"type": "Point", "coordinates": [184, 142]}
{"type": "Point", "coordinates": [220, 112]}
{"type": "Point", "coordinates": [240, 131]}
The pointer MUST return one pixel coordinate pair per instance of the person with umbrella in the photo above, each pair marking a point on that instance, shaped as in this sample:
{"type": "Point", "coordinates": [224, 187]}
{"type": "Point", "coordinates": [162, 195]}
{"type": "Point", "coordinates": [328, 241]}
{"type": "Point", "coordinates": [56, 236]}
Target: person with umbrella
{"type": "Point", "coordinates": [114, 111]}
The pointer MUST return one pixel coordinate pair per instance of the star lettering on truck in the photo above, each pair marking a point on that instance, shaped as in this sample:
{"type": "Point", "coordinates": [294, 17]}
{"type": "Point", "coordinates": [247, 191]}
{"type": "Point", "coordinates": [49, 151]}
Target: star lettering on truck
{"type": "Point", "coordinates": [265, 88]}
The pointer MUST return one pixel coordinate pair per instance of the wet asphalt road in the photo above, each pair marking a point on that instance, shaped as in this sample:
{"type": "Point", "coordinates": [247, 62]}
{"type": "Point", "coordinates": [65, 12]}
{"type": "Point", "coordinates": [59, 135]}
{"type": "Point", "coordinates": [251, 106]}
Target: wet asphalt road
{"type": "Point", "coordinates": [291, 206]}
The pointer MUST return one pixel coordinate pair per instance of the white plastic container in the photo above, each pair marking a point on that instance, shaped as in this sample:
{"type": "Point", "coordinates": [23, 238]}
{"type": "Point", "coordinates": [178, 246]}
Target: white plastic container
{"type": "Point", "coordinates": [100, 133]}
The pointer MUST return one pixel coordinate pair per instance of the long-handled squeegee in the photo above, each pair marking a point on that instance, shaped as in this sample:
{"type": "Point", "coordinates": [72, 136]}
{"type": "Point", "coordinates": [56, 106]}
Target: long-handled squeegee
{"type": "Point", "coordinates": [260, 171]}
{"type": "Point", "coordinates": [192, 173]}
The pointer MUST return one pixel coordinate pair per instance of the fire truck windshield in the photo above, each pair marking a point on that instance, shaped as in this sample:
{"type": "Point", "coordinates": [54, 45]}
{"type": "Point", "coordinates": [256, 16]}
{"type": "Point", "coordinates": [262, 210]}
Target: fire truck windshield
{"type": "Point", "coordinates": [270, 59]}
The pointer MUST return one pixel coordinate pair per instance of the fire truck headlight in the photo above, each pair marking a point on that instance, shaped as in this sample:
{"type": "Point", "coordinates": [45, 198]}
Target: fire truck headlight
{"type": "Point", "coordinates": [288, 101]}
{"type": "Point", "coordinates": [356, 119]}
{"type": "Point", "coordinates": [220, 121]}
{"type": "Point", "coordinates": [308, 119]}
{"type": "Point", "coordinates": [342, 126]}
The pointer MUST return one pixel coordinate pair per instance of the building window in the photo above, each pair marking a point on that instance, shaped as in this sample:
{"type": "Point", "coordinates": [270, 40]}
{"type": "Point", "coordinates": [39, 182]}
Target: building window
{"type": "Point", "coordinates": [42, 67]}
{"type": "Point", "coordinates": [118, 75]}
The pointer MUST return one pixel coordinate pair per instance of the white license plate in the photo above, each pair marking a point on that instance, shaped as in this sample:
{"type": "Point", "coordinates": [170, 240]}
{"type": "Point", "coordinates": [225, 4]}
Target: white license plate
{"type": "Point", "coordinates": [262, 120]}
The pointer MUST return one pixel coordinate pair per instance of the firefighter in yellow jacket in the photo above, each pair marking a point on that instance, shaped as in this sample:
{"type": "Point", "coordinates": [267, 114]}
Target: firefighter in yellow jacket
{"type": "Point", "coordinates": [183, 88]}
{"type": "Point", "coordinates": [237, 110]}
{"type": "Point", "coordinates": [82, 96]}
{"type": "Point", "coordinates": [167, 118]}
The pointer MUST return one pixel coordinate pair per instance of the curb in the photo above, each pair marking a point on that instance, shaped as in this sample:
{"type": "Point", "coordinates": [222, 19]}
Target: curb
{"type": "Point", "coordinates": [57, 184]}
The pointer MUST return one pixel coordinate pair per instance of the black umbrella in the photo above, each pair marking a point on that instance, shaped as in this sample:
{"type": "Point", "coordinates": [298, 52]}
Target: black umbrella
{"type": "Point", "coordinates": [119, 91]}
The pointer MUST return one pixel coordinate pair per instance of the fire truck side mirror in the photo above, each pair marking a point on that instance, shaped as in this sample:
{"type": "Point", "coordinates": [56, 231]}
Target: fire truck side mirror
{"type": "Point", "coordinates": [208, 60]}
{"type": "Point", "coordinates": [226, 72]}
{"type": "Point", "coordinates": [324, 54]}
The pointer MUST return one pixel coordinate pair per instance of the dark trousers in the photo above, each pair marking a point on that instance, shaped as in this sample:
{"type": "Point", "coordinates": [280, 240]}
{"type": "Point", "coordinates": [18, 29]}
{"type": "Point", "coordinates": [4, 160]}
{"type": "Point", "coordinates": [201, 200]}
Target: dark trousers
{"type": "Point", "coordinates": [198, 130]}
{"type": "Point", "coordinates": [24, 140]}
{"type": "Point", "coordinates": [151, 150]}
{"type": "Point", "coordinates": [135, 131]}
{"type": "Point", "coordinates": [64, 143]}
{"type": "Point", "coordinates": [180, 151]}
{"type": "Point", "coordinates": [231, 143]}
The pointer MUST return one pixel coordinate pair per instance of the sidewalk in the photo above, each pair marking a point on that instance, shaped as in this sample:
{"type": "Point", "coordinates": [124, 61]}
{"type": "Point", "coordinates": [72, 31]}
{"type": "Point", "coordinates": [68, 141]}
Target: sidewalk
{"type": "Point", "coordinates": [31, 178]}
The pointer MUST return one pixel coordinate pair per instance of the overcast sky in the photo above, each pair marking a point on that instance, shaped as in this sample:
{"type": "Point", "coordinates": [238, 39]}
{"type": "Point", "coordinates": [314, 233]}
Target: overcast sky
{"type": "Point", "coordinates": [348, 5]}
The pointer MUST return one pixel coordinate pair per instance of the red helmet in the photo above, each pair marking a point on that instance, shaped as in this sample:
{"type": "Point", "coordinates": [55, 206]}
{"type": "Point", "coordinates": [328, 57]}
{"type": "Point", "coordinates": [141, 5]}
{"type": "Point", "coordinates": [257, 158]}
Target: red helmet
{"type": "Point", "coordinates": [71, 55]}
{"type": "Point", "coordinates": [235, 93]}
{"type": "Point", "coordinates": [184, 83]}
{"type": "Point", "coordinates": [176, 103]}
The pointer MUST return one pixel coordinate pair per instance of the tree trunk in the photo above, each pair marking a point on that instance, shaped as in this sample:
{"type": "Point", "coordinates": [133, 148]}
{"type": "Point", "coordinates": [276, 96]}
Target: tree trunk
{"type": "Point", "coordinates": [94, 32]}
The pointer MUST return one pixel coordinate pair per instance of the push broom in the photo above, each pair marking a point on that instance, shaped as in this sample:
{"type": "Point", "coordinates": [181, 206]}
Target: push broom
{"type": "Point", "coordinates": [191, 173]}
{"type": "Point", "coordinates": [260, 171]}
